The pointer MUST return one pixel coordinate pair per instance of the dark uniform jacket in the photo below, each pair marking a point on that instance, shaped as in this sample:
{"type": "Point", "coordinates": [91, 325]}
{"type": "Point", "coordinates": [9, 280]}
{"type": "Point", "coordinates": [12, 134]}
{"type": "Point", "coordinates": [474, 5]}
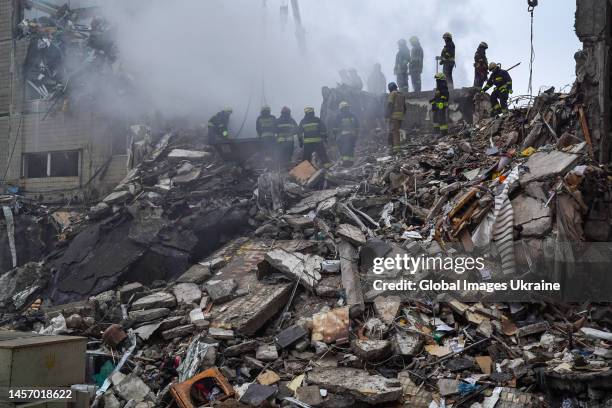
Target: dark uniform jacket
{"type": "Point", "coordinates": [266, 126]}
{"type": "Point", "coordinates": [287, 128]}
{"type": "Point", "coordinates": [481, 63]}
{"type": "Point", "coordinates": [501, 79]}
{"type": "Point", "coordinates": [217, 127]}
{"type": "Point", "coordinates": [402, 59]}
{"type": "Point", "coordinates": [441, 95]}
{"type": "Point", "coordinates": [416, 59]}
{"type": "Point", "coordinates": [346, 124]}
{"type": "Point", "coordinates": [447, 56]}
{"type": "Point", "coordinates": [312, 130]}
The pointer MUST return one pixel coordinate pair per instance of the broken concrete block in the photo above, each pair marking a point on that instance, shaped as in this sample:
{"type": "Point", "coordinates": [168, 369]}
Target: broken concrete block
{"type": "Point", "coordinates": [310, 395]}
{"type": "Point", "coordinates": [129, 289]}
{"type": "Point", "coordinates": [448, 386]}
{"type": "Point", "coordinates": [532, 216]}
{"type": "Point", "coordinates": [155, 300]}
{"type": "Point", "coordinates": [171, 322]}
{"type": "Point", "coordinates": [290, 336]}
{"type": "Point", "coordinates": [315, 179]}
{"type": "Point", "coordinates": [305, 268]}
{"type": "Point", "coordinates": [197, 273]}
{"type": "Point", "coordinates": [371, 350]}
{"type": "Point", "coordinates": [221, 291]}
{"type": "Point", "coordinates": [408, 344]}
{"type": "Point", "coordinates": [256, 394]}
{"type": "Point", "coordinates": [371, 389]}
{"type": "Point", "coordinates": [182, 154]}
{"type": "Point", "coordinates": [110, 401]}
{"type": "Point", "coordinates": [263, 302]}
{"type": "Point", "coordinates": [221, 334]}
{"type": "Point", "coordinates": [196, 317]}
{"type": "Point", "coordinates": [114, 335]}
{"type": "Point", "coordinates": [117, 197]}
{"type": "Point", "coordinates": [268, 377]}
{"type": "Point", "coordinates": [242, 348]}
{"type": "Point", "coordinates": [299, 222]}
{"type": "Point", "coordinates": [266, 352]}
{"type": "Point", "coordinates": [147, 315]}
{"type": "Point", "coordinates": [548, 164]}
{"type": "Point", "coordinates": [332, 326]}
{"type": "Point", "coordinates": [99, 211]}
{"type": "Point", "coordinates": [386, 307]}
{"type": "Point", "coordinates": [180, 331]}
{"type": "Point", "coordinates": [352, 234]}
{"type": "Point", "coordinates": [187, 293]}
{"type": "Point", "coordinates": [131, 387]}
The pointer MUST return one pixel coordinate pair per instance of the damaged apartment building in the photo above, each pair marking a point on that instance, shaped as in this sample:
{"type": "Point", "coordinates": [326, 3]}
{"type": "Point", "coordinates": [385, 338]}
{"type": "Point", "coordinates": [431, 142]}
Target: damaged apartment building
{"type": "Point", "coordinates": [54, 144]}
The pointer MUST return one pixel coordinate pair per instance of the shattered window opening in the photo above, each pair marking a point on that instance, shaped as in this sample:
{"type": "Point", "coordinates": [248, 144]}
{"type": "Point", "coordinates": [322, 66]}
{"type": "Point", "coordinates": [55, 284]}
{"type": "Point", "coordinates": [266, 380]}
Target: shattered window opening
{"type": "Point", "coordinates": [51, 164]}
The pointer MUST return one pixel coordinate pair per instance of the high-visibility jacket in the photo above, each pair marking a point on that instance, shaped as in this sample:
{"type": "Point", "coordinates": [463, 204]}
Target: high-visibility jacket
{"type": "Point", "coordinates": [501, 79]}
{"type": "Point", "coordinates": [287, 128]}
{"type": "Point", "coordinates": [217, 126]}
{"type": "Point", "coordinates": [441, 95]}
{"type": "Point", "coordinates": [447, 56]}
{"type": "Point", "coordinates": [312, 130]}
{"type": "Point", "coordinates": [266, 126]}
{"type": "Point", "coordinates": [346, 124]}
{"type": "Point", "coordinates": [396, 106]}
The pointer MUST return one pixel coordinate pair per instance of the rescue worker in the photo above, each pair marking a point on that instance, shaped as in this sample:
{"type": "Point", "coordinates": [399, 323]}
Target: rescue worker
{"type": "Point", "coordinates": [503, 88]}
{"type": "Point", "coordinates": [395, 113]}
{"type": "Point", "coordinates": [266, 130]}
{"type": "Point", "coordinates": [415, 67]}
{"type": "Point", "coordinates": [480, 65]}
{"type": "Point", "coordinates": [447, 58]}
{"type": "Point", "coordinates": [312, 135]}
{"type": "Point", "coordinates": [287, 129]}
{"type": "Point", "coordinates": [218, 126]}
{"type": "Point", "coordinates": [346, 130]}
{"type": "Point", "coordinates": [376, 80]}
{"type": "Point", "coordinates": [402, 59]}
{"type": "Point", "coordinates": [439, 104]}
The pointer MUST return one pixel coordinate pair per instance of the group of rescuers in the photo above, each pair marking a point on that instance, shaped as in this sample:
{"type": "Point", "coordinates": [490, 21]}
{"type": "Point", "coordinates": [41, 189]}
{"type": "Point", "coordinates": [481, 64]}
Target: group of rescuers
{"type": "Point", "coordinates": [278, 134]}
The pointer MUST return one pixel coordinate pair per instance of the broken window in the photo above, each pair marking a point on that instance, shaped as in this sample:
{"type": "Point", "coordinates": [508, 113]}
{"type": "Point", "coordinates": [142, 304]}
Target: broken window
{"type": "Point", "coordinates": [51, 164]}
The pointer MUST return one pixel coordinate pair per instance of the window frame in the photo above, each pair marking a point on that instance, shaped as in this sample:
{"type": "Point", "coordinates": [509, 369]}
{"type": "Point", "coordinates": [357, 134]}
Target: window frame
{"type": "Point", "coordinates": [24, 163]}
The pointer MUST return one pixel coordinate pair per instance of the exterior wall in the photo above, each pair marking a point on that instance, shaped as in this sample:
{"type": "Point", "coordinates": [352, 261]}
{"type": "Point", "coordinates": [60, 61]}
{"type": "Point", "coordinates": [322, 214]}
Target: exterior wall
{"type": "Point", "coordinates": [593, 71]}
{"type": "Point", "coordinates": [23, 130]}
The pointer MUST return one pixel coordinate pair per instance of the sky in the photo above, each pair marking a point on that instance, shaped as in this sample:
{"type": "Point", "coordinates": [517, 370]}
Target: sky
{"type": "Point", "coordinates": [192, 57]}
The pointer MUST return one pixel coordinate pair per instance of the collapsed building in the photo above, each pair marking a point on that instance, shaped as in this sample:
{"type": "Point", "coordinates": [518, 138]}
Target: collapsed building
{"type": "Point", "coordinates": [221, 282]}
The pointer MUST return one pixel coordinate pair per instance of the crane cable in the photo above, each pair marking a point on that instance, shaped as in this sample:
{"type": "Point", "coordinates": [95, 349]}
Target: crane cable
{"type": "Point", "coordinates": [531, 6]}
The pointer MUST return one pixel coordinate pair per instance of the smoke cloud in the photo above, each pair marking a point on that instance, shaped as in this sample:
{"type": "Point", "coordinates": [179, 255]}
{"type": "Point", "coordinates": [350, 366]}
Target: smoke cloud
{"type": "Point", "coordinates": [193, 57]}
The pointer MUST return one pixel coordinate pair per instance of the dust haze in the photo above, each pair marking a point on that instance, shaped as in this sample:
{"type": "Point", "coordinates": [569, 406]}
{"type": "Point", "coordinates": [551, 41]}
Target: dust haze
{"type": "Point", "coordinates": [193, 57]}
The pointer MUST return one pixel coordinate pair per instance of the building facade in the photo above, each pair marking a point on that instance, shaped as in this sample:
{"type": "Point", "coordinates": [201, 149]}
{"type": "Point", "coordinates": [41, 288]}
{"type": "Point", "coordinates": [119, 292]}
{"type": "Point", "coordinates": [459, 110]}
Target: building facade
{"type": "Point", "coordinates": [46, 151]}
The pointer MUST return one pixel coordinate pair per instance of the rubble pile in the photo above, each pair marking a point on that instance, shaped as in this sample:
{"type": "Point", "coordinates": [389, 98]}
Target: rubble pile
{"type": "Point", "coordinates": [233, 286]}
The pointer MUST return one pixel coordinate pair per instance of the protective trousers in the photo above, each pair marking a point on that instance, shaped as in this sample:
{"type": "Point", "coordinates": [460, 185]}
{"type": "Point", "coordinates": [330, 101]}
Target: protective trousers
{"type": "Point", "coordinates": [346, 147]}
{"type": "Point", "coordinates": [402, 81]}
{"type": "Point", "coordinates": [480, 78]}
{"type": "Point", "coordinates": [415, 77]}
{"type": "Point", "coordinates": [447, 69]}
{"type": "Point", "coordinates": [394, 134]}
{"type": "Point", "coordinates": [439, 121]}
{"type": "Point", "coordinates": [499, 101]}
